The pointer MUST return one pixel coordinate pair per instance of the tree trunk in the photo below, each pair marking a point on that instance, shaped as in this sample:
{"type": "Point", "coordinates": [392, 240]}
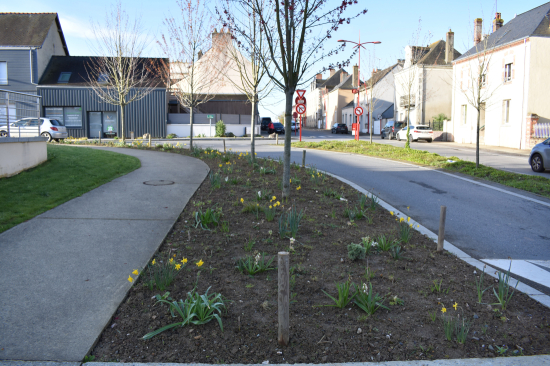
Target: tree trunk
{"type": "Point", "coordinates": [252, 148]}
{"type": "Point", "coordinates": [408, 142]}
{"type": "Point", "coordinates": [286, 156]}
{"type": "Point", "coordinates": [191, 117]}
{"type": "Point", "coordinates": [122, 134]}
{"type": "Point", "coordinates": [477, 138]}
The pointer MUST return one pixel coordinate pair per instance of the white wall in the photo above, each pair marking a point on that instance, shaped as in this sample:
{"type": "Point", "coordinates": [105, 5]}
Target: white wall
{"type": "Point", "coordinates": [22, 154]}
{"type": "Point", "coordinates": [184, 130]}
{"type": "Point", "coordinates": [183, 118]}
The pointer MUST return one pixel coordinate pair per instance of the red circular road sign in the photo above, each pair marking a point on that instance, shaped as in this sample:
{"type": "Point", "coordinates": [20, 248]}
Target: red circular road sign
{"type": "Point", "coordinates": [299, 100]}
{"type": "Point", "coordinates": [295, 115]}
{"type": "Point", "coordinates": [301, 109]}
{"type": "Point", "coordinates": [358, 111]}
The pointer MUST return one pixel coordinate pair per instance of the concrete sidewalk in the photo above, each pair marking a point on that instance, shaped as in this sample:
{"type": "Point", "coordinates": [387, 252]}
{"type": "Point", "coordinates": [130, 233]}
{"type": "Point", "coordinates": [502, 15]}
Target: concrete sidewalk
{"type": "Point", "coordinates": [64, 273]}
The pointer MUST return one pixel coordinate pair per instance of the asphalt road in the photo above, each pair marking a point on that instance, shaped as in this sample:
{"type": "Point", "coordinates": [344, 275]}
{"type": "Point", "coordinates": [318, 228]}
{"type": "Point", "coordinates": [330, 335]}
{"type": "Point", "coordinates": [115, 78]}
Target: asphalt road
{"type": "Point", "coordinates": [483, 221]}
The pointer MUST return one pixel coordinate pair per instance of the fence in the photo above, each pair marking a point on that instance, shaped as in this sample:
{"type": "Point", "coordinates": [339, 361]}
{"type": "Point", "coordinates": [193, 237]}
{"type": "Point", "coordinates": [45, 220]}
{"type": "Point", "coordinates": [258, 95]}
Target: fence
{"type": "Point", "coordinates": [541, 130]}
{"type": "Point", "coordinates": [14, 106]}
{"type": "Point", "coordinates": [436, 125]}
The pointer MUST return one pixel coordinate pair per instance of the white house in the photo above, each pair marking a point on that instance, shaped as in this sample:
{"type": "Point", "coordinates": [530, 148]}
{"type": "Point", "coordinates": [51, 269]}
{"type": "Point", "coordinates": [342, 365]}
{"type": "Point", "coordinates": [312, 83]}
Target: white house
{"type": "Point", "coordinates": [515, 85]}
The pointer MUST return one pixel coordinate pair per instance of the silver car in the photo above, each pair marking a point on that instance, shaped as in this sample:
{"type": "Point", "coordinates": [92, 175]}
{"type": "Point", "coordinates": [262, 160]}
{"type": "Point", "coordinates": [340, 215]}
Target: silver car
{"type": "Point", "coordinates": [33, 126]}
{"type": "Point", "coordinates": [539, 159]}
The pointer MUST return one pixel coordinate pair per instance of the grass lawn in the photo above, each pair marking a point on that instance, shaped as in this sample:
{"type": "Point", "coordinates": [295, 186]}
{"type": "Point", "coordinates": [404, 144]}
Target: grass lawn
{"type": "Point", "coordinates": [529, 183]}
{"type": "Point", "coordinates": [68, 173]}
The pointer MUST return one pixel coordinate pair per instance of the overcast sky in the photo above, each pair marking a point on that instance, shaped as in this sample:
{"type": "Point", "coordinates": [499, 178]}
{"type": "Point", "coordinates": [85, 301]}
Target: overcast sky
{"type": "Point", "coordinates": [390, 22]}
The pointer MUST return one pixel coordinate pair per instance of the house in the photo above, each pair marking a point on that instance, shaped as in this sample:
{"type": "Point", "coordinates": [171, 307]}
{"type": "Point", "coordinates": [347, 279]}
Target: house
{"type": "Point", "coordinates": [516, 111]}
{"type": "Point", "coordinates": [424, 86]}
{"type": "Point", "coordinates": [66, 96]}
{"type": "Point", "coordinates": [27, 41]}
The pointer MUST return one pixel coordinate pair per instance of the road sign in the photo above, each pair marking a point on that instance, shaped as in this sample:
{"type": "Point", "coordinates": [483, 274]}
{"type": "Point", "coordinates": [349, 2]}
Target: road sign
{"type": "Point", "coordinates": [299, 100]}
{"type": "Point", "coordinates": [210, 116]}
{"type": "Point", "coordinates": [355, 91]}
{"type": "Point", "coordinates": [301, 109]}
{"type": "Point", "coordinates": [300, 93]}
{"type": "Point", "coordinates": [358, 111]}
{"type": "Point", "coordinates": [295, 115]}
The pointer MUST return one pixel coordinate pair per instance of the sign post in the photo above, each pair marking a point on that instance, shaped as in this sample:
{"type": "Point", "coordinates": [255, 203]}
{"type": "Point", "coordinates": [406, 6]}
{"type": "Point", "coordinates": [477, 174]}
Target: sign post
{"type": "Point", "coordinates": [358, 112]}
{"type": "Point", "coordinates": [300, 108]}
{"type": "Point", "coordinates": [210, 116]}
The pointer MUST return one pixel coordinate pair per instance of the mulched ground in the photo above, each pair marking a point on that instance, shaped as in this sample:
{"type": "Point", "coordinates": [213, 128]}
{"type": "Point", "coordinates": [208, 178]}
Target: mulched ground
{"type": "Point", "coordinates": [318, 334]}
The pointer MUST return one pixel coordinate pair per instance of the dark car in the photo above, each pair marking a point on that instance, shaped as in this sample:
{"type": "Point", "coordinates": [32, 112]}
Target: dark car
{"type": "Point", "coordinates": [391, 128]}
{"type": "Point", "coordinates": [277, 128]}
{"type": "Point", "coordinates": [265, 123]}
{"type": "Point", "coordinates": [339, 127]}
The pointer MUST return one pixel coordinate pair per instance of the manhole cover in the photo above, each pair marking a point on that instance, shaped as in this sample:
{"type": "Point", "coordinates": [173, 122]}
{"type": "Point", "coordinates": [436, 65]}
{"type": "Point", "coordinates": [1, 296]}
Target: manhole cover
{"type": "Point", "coordinates": [158, 182]}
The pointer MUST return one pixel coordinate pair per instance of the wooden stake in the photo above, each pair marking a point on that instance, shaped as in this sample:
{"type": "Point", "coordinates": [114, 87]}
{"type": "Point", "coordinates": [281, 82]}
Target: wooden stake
{"type": "Point", "coordinates": [100, 136]}
{"type": "Point", "coordinates": [304, 159]}
{"type": "Point", "coordinates": [224, 146]}
{"type": "Point", "coordinates": [277, 138]}
{"type": "Point", "coordinates": [441, 236]}
{"type": "Point", "coordinates": [149, 139]}
{"type": "Point", "coordinates": [283, 298]}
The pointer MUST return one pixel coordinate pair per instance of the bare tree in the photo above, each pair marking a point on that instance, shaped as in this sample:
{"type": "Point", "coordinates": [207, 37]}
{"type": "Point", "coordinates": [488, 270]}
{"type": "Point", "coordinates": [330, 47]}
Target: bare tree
{"type": "Point", "coordinates": [196, 75]}
{"type": "Point", "coordinates": [120, 76]}
{"type": "Point", "coordinates": [294, 48]}
{"type": "Point", "coordinates": [407, 79]}
{"type": "Point", "coordinates": [244, 23]}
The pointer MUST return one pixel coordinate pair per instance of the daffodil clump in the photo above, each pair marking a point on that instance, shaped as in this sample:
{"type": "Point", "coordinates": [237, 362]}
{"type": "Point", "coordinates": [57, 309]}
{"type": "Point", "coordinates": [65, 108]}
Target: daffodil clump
{"type": "Point", "coordinates": [163, 272]}
{"type": "Point", "coordinates": [454, 324]}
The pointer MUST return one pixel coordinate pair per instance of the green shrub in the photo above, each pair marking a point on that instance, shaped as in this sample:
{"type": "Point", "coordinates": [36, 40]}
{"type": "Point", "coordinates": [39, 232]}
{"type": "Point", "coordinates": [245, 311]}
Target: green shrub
{"type": "Point", "coordinates": [356, 251]}
{"type": "Point", "coordinates": [230, 134]}
{"type": "Point", "coordinates": [220, 129]}
{"type": "Point", "coordinates": [171, 136]}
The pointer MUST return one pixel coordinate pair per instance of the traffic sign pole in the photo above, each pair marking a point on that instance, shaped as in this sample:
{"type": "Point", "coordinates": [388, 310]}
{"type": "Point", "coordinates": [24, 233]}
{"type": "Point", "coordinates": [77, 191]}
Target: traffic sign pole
{"type": "Point", "coordinates": [300, 128]}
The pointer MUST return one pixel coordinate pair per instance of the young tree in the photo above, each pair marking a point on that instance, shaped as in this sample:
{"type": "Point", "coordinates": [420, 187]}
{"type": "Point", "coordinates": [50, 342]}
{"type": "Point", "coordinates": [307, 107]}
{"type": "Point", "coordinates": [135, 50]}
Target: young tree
{"type": "Point", "coordinates": [197, 75]}
{"type": "Point", "coordinates": [120, 76]}
{"type": "Point", "coordinates": [244, 23]}
{"type": "Point", "coordinates": [294, 48]}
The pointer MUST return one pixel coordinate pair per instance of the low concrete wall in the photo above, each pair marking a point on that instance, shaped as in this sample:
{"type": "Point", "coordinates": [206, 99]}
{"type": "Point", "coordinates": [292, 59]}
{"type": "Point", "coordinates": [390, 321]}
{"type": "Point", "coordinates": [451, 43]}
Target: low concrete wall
{"type": "Point", "coordinates": [18, 154]}
{"type": "Point", "coordinates": [200, 129]}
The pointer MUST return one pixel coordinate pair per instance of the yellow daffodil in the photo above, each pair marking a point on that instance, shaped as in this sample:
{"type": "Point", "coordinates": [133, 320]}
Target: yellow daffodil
{"type": "Point", "coordinates": [411, 225]}
{"type": "Point", "coordinates": [408, 219]}
{"type": "Point", "coordinates": [130, 279]}
{"type": "Point", "coordinates": [174, 256]}
{"type": "Point", "coordinates": [221, 165]}
{"type": "Point", "coordinates": [178, 266]}
{"type": "Point", "coordinates": [443, 310]}
{"type": "Point", "coordinates": [270, 207]}
{"type": "Point", "coordinates": [273, 198]}
{"type": "Point", "coordinates": [290, 180]}
{"type": "Point", "coordinates": [154, 262]}
{"type": "Point", "coordinates": [455, 305]}
{"type": "Point", "coordinates": [298, 188]}
{"type": "Point", "coordinates": [417, 226]}
{"type": "Point", "coordinates": [408, 207]}
{"type": "Point", "coordinates": [135, 272]}
{"type": "Point", "coordinates": [171, 260]}
{"type": "Point", "coordinates": [199, 263]}
{"type": "Point", "coordinates": [184, 260]}
{"type": "Point", "coordinates": [278, 203]}
{"type": "Point", "coordinates": [312, 176]}
{"type": "Point", "coordinates": [391, 213]}
{"type": "Point", "coordinates": [401, 219]}
{"type": "Point", "coordinates": [242, 200]}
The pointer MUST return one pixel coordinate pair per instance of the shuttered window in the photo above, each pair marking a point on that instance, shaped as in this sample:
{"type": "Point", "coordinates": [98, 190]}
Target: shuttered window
{"type": "Point", "coordinates": [3, 72]}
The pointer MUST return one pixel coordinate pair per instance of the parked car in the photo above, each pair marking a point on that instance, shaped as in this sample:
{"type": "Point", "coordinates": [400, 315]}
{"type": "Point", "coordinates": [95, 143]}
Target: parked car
{"type": "Point", "coordinates": [339, 127]}
{"type": "Point", "coordinates": [418, 132]}
{"type": "Point", "coordinates": [45, 127]}
{"type": "Point", "coordinates": [391, 128]}
{"type": "Point", "coordinates": [3, 130]}
{"type": "Point", "coordinates": [265, 123]}
{"type": "Point", "coordinates": [277, 128]}
{"type": "Point", "coordinates": [294, 126]}
{"type": "Point", "coordinates": [539, 159]}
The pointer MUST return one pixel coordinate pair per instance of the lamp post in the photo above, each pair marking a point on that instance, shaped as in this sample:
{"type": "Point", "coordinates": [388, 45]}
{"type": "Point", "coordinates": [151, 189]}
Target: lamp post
{"type": "Point", "coordinates": [359, 45]}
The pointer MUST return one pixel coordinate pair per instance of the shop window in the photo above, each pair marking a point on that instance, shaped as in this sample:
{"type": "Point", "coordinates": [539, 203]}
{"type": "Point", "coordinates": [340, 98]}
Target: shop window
{"type": "Point", "coordinates": [71, 116]}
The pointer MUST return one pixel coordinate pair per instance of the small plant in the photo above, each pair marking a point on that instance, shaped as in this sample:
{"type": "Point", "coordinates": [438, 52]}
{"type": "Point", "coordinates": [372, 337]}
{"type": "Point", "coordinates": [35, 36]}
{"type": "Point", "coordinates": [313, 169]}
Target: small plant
{"type": "Point", "coordinates": [234, 181]}
{"type": "Point", "coordinates": [196, 309]}
{"type": "Point", "coordinates": [271, 210]}
{"type": "Point", "coordinates": [289, 223]}
{"type": "Point", "coordinates": [224, 226]}
{"type": "Point", "coordinates": [264, 171]}
{"type": "Point", "coordinates": [220, 129]}
{"type": "Point", "coordinates": [373, 203]}
{"type": "Point", "coordinates": [252, 207]}
{"type": "Point", "coordinates": [356, 251]}
{"type": "Point", "coordinates": [215, 180]}
{"type": "Point", "coordinates": [344, 295]}
{"type": "Point", "coordinates": [253, 265]}
{"type": "Point", "coordinates": [436, 286]}
{"type": "Point", "coordinates": [163, 273]}
{"type": "Point", "coordinates": [196, 151]}
{"type": "Point", "coordinates": [88, 358]}
{"type": "Point", "coordinates": [369, 275]}
{"type": "Point", "coordinates": [362, 201]}
{"type": "Point", "coordinates": [171, 136]}
{"type": "Point", "coordinates": [396, 301]}
{"type": "Point", "coordinates": [405, 232]}
{"type": "Point", "coordinates": [369, 245]}
{"type": "Point", "coordinates": [433, 316]}
{"type": "Point", "coordinates": [249, 245]}
{"type": "Point", "coordinates": [396, 252]}
{"type": "Point", "coordinates": [449, 327]}
{"type": "Point", "coordinates": [503, 295]}
{"type": "Point", "coordinates": [384, 243]}
{"type": "Point", "coordinates": [368, 302]}
{"type": "Point", "coordinates": [208, 218]}
{"type": "Point", "coordinates": [479, 286]}
{"type": "Point", "coordinates": [461, 330]}
{"type": "Point", "coordinates": [501, 350]}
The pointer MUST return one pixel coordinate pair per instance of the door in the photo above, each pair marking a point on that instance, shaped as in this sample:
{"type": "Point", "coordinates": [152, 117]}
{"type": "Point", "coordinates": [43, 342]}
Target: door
{"type": "Point", "coordinates": [110, 124]}
{"type": "Point", "coordinates": [94, 122]}
{"type": "Point", "coordinates": [482, 124]}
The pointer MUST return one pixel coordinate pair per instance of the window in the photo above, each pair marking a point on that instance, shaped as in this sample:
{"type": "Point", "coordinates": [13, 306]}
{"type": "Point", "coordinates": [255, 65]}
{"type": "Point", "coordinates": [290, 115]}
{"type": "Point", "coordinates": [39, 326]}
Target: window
{"type": "Point", "coordinates": [483, 79]}
{"type": "Point", "coordinates": [103, 78]}
{"type": "Point", "coordinates": [3, 72]}
{"type": "Point", "coordinates": [64, 77]}
{"type": "Point", "coordinates": [506, 111]}
{"type": "Point", "coordinates": [507, 72]}
{"type": "Point", "coordinates": [464, 111]}
{"type": "Point", "coordinates": [68, 116]}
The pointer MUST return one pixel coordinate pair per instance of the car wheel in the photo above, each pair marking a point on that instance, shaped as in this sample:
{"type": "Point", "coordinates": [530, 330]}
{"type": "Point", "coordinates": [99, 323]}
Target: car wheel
{"type": "Point", "coordinates": [536, 163]}
{"type": "Point", "coordinates": [3, 133]}
{"type": "Point", "coordinates": [398, 137]}
{"type": "Point", "coordinates": [382, 136]}
{"type": "Point", "coordinates": [430, 140]}
{"type": "Point", "coordinates": [46, 135]}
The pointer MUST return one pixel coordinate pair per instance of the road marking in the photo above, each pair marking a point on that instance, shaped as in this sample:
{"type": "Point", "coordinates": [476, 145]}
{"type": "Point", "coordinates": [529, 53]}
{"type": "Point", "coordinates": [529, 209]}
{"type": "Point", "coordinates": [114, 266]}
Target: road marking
{"type": "Point", "coordinates": [523, 269]}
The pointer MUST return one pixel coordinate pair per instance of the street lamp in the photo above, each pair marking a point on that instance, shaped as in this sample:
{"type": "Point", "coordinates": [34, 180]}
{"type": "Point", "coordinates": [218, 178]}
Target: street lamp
{"type": "Point", "coordinates": [359, 46]}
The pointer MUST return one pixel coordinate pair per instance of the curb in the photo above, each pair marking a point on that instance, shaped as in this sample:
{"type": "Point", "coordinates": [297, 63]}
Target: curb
{"type": "Point", "coordinates": [528, 290]}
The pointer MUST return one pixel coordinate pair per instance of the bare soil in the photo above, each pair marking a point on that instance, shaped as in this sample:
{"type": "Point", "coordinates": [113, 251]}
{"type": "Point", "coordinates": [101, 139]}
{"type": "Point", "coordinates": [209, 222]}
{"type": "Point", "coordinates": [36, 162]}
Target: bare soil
{"type": "Point", "coordinates": [318, 333]}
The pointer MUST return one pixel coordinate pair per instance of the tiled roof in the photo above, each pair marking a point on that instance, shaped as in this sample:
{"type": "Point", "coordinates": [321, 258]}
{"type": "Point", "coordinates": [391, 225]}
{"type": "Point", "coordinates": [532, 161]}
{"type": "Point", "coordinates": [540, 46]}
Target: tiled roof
{"type": "Point", "coordinates": [345, 84]}
{"type": "Point", "coordinates": [435, 54]}
{"type": "Point", "coordinates": [333, 80]}
{"type": "Point", "coordinates": [532, 23]}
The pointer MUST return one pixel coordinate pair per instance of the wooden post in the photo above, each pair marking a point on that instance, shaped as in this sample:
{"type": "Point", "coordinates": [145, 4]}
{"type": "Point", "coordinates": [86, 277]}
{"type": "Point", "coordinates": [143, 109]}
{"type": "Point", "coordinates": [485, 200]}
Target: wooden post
{"type": "Point", "coordinates": [224, 146]}
{"type": "Point", "coordinates": [304, 159]}
{"type": "Point", "coordinates": [100, 136]}
{"type": "Point", "coordinates": [277, 137]}
{"type": "Point", "coordinates": [149, 135]}
{"type": "Point", "coordinates": [283, 298]}
{"type": "Point", "coordinates": [441, 236]}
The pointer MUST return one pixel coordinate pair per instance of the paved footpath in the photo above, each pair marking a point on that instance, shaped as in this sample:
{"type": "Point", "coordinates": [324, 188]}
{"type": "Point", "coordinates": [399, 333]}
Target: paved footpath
{"type": "Point", "coordinates": [64, 273]}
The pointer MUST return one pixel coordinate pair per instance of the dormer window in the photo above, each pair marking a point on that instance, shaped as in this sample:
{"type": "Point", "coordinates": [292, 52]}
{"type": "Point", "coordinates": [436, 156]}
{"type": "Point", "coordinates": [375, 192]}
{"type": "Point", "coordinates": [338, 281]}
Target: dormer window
{"type": "Point", "coordinates": [64, 77]}
{"type": "Point", "coordinates": [103, 78]}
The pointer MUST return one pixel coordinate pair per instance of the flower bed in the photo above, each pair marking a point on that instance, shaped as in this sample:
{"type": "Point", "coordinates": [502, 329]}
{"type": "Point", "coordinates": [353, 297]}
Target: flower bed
{"type": "Point", "coordinates": [399, 300]}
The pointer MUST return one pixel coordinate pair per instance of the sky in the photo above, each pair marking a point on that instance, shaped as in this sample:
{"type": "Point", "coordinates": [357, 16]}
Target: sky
{"type": "Point", "coordinates": [393, 23]}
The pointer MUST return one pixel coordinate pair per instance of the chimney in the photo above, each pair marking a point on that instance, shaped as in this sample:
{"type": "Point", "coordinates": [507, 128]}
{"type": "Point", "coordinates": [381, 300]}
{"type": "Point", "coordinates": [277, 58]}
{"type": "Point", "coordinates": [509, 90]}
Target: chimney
{"type": "Point", "coordinates": [497, 22]}
{"type": "Point", "coordinates": [478, 25]}
{"type": "Point", "coordinates": [199, 54]}
{"type": "Point", "coordinates": [355, 76]}
{"type": "Point", "coordinates": [319, 76]}
{"type": "Point", "coordinates": [343, 75]}
{"type": "Point", "coordinates": [450, 47]}
{"type": "Point", "coordinates": [332, 72]}
{"type": "Point", "coordinates": [373, 72]}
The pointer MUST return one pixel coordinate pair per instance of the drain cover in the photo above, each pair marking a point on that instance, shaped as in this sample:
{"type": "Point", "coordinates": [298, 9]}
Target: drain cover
{"type": "Point", "coordinates": [158, 182]}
